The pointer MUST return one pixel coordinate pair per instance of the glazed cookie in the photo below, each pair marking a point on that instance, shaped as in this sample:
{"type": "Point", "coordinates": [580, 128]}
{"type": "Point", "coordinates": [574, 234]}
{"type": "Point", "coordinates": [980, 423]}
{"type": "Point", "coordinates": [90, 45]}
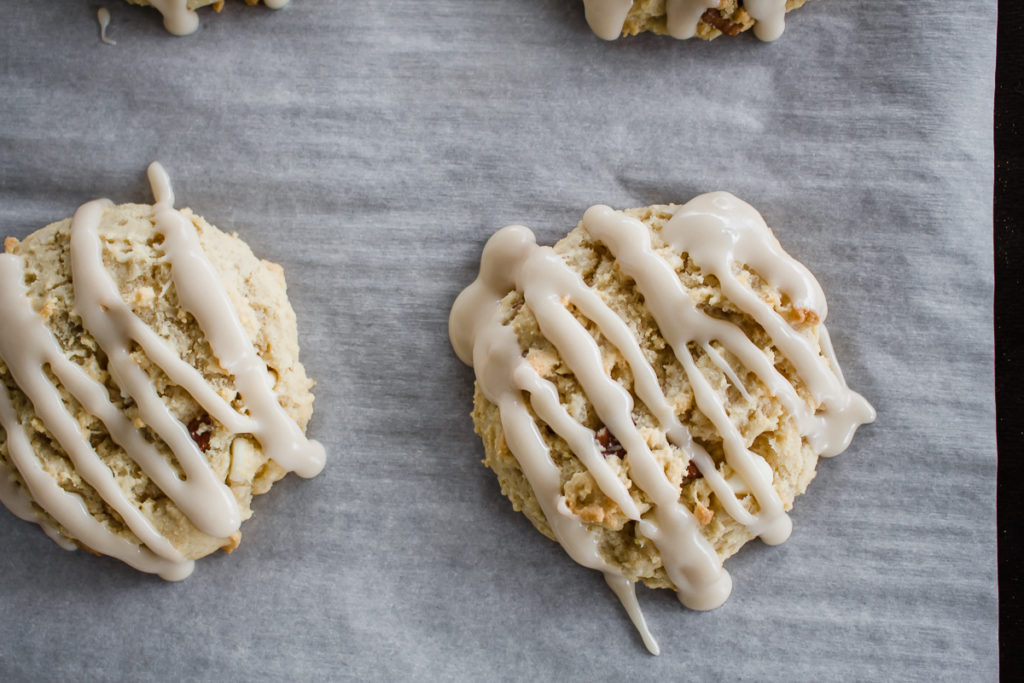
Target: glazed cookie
{"type": "Point", "coordinates": [180, 17]}
{"type": "Point", "coordinates": [150, 383]}
{"type": "Point", "coordinates": [655, 390]}
{"type": "Point", "coordinates": [705, 19]}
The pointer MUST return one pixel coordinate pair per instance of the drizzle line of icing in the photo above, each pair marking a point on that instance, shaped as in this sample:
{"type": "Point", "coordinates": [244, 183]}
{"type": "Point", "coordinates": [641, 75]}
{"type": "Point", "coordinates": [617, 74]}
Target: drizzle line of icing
{"type": "Point", "coordinates": [770, 16]}
{"type": "Point", "coordinates": [180, 20]}
{"type": "Point", "coordinates": [716, 231]}
{"type": "Point", "coordinates": [27, 347]}
{"type": "Point", "coordinates": [199, 290]}
{"type": "Point", "coordinates": [607, 17]}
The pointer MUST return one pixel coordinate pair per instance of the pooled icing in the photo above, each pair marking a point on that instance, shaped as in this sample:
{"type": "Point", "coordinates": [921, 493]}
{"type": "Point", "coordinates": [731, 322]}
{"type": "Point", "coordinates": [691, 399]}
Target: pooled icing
{"type": "Point", "coordinates": [180, 20]}
{"type": "Point", "coordinates": [718, 232]}
{"type": "Point", "coordinates": [28, 349]}
{"type": "Point", "coordinates": [607, 17]}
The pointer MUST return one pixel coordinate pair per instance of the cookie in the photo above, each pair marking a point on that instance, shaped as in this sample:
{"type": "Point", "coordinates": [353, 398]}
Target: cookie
{"type": "Point", "coordinates": [705, 19]}
{"type": "Point", "coordinates": [150, 383]}
{"type": "Point", "coordinates": [180, 17]}
{"type": "Point", "coordinates": [654, 390]}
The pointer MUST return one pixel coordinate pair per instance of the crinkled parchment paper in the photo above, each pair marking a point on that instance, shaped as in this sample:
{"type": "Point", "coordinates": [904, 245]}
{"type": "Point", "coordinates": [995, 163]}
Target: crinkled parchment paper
{"type": "Point", "coordinates": [371, 148]}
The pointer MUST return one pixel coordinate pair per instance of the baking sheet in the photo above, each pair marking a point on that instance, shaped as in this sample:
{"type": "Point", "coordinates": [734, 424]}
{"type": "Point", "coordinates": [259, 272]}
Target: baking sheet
{"type": "Point", "coordinates": [371, 148]}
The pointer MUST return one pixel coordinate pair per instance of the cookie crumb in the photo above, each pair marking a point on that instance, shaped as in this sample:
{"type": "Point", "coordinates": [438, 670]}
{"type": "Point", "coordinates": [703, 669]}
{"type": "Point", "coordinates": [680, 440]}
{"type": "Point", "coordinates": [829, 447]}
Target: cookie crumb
{"type": "Point", "coordinates": [144, 296]}
{"type": "Point", "coordinates": [232, 542]}
{"type": "Point", "coordinates": [47, 310]}
{"type": "Point", "coordinates": [703, 515]}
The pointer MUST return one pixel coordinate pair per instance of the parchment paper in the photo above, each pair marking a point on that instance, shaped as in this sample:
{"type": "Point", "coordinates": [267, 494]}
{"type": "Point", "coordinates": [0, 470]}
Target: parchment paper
{"type": "Point", "coordinates": [371, 147]}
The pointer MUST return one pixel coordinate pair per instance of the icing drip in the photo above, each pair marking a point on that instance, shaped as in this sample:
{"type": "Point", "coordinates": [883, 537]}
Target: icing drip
{"type": "Point", "coordinates": [718, 232]}
{"type": "Point", "coordinates": [770, 16]}
{"type": "Point", "coordinates": [625, 591]}
{"type": "Point", "coordinates": [27, 347]}
{"type": "Point", "coordinates": [608, 17]}
{"type": "Point", "coordinates": [103, 17]}
{"type": "Point", "coordinates": [682, 16]}
{"type": "Point", "coordinates": [180, 20]}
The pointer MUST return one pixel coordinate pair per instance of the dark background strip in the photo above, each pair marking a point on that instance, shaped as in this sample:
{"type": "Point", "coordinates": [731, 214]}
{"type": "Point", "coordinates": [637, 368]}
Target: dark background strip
{"type": "Point", "coordinates": [1009, 332]}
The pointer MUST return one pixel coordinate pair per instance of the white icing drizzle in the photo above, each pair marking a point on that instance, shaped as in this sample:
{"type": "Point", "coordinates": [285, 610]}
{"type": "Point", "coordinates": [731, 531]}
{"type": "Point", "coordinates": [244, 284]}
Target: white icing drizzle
{"type": "Point", "coordinates": [770, 16]}
{"type": "Point", "coordinates": [607, 17]}
{"type": "Point", "coordinates": [718, 232]}
{"type": "Point", "coordinates": [178, 18]}
{"type": "Point", "coordinates": [202, 294]}
{"type": "Point", "coordinates": [12, 495]}
{"type": "Point", "coordinates": [682, 16]}
{"type": "Point", "coordinates": [103, 17]}
{"type": "Point", "coordinates": [181, 21]}
{"type": "Point", "coordinates": [68, 508]}
{"type": "Point", "coordinates": [27, 347]}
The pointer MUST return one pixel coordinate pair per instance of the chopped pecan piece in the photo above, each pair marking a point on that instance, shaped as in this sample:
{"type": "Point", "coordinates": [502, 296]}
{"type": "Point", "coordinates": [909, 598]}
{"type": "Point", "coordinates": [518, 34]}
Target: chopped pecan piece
{"type": "Point", "coordinates": [200, 429]}
{"type": "Point", "coordinates": [609, 444]}
{"type": "Point", "coordinates": [692, 472]}
{"type": "Point", "coordinates": [714, 18]}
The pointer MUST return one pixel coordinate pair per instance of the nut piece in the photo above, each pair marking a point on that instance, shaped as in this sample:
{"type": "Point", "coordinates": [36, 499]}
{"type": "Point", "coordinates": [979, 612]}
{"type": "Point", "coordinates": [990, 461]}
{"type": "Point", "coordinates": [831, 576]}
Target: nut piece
{"type": "Point", "coordinates": [245, 461]}
{"type": "Point", "coordinates": [703, 514]}
{"type": "Point", "coordinates": [232, 542]}
{"type": "Point", "coordinates": [609, 444]}
{"type": "Point", "coordinates": [200, 431]}
{"type": "Point", "coordinates": [714, 17]}
{"type": "Point", "coordinates": [692, 472]}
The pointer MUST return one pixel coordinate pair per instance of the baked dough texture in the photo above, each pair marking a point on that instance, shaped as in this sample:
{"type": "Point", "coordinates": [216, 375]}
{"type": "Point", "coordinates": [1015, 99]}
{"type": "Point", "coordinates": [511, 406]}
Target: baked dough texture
{"type": "Point", "coordinates": [132, 256]}
{"type": "Point", "coordinates": [766, 426]}
{"type": "Point", "coordinates": [730, 18]}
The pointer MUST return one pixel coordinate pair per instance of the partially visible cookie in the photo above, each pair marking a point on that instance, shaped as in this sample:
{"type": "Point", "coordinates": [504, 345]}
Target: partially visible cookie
{"type": "Point", "coordinates": [654, 390]}
{"type": "Point", "coordinates": [706, 19]}
{"type": "Point", "coordinates": [180, 17]}
{"type": "Point", "coordinates": [150, 383]}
